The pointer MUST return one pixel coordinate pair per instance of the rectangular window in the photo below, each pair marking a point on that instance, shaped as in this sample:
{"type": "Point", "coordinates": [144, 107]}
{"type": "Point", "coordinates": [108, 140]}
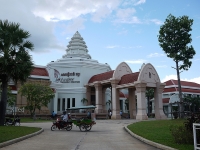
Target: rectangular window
{"type": "Point", "coordinates": [68, 102]}
{"type": "Point", "coordinates": [63, 104]}
{"type": "Point", "coordinates": [73, 102]}
{"type": "Point", "coordinates": [58, 106]}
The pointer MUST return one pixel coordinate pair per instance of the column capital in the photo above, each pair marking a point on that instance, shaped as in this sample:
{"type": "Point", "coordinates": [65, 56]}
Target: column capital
{"type": "Point", "coordinates": [114, 82]}
{"type": "Point", "coordinates": [97, 84]}
{"type": "Point", "coordinates": [140, 86]}
{"type": "Point", "coordinates": [160, 87]}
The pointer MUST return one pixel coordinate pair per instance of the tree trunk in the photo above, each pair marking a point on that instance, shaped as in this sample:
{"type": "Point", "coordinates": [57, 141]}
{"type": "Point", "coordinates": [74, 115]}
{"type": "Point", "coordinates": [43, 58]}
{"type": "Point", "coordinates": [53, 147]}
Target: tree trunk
{"type": "Point", "coordinates": [3, 101]}
{"type": "Point", "coordinates": [180, 91]}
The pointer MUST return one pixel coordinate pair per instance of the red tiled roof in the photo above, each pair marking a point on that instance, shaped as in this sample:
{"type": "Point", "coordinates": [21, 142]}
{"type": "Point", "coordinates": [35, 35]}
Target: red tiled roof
{"type": "Point", "coordinates": [166, 90]}
{"type": "Point", "coordinates": [165, 100]}
{"type": "Point", "coordinates": [13, 87]}
{"type": "Point", "coordinates": [183, 83]}
{"type": "Point", "coordinates": [101, 77]}
{"type": "Point", "coordinates": [39, 72]}
{"type": "Point", "coordinates": [129, 78]}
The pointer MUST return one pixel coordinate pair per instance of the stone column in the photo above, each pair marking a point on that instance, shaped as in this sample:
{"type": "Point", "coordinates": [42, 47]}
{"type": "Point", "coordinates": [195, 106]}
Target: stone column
{"type": "Point", "coordinates": [103, 100]}
{"type": "Point", "coordinates": [98, 93]}
{"type": "Point", "coordinates": [88, 94]}
{"type": "Point", "coordinates": [115, 99]}
{"type": "Point", "coordinates": [132, 103]}
{"type": "Point", "coordinates": [141, 100]}
{"type": "Point", "coordinates": [55, 102]}
{"type": "Point", "coordinates": [159, 114]}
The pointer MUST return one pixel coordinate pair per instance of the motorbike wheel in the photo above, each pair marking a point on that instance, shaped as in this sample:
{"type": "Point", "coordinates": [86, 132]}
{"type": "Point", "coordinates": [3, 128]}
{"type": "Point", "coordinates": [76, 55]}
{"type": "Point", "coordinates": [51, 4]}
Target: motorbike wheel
{"type": "Point", "coordinates": [88, 127]}
{"type": "Point", "coordinates": [82, 127]}
{"type": "Point", "coordinates": [7, 123]}
{"type": "Point", "coordinates": [17, 124]}
{"type": "Point", "coordinates": [69, 127]}
{"type": "Point", "coordinates": [53, 128]}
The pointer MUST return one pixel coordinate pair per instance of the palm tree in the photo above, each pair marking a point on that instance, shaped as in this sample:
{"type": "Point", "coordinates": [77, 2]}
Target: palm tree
{"type": "Point", "coordinates": [109, 102]}
{"type": "Point", "coordinates": [149, 95]}
{"type": "Point", "coordinates": [15, 61]}
{"type": "Point", "coordinates": [84, 100]}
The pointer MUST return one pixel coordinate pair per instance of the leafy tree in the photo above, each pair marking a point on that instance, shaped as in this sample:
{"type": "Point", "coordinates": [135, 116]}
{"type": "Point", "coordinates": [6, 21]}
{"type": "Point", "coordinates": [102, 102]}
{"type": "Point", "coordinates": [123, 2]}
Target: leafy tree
{"type": "Point", "coordinates": [149, 95]}
{"type": "Point", "coordinates": [193, 103]}
{"type": "Point", "coordinates": [15, 61]}
{"type": "Point", "coordinates": [84, 100]}
{"type": "Point", "coordinates": [37, 95]}
{"type": "Point", "coordinates": [174, 38]}
{"type": "Point", "coordinates": [109, 102]}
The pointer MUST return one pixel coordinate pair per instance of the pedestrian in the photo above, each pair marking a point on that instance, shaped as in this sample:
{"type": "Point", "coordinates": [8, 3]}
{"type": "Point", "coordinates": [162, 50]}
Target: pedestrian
{"type": "Point", "coordinates": [88, 115]}
{"type": "Point", "coordinates": [110, 114]}
{"type": "Point", "coordinates": [53, 115]}
{"type": "Point", "coordinates": [120, 114]}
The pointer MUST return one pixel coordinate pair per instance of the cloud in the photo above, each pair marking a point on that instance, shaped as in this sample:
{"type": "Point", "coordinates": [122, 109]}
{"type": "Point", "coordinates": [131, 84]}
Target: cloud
{"type": "Point", "coordinates": [52, 10]}
{"type": "Point", "coordinates": [156, 21]}
{"type": "Point", "coordinates": [140, 2]}
{"type": "Point", "coordinates": [75, 25]}
{"type": "Point", "coordinates": [139, 61]}
{"type": "Point", "coordinates": [112, 46]}
{"type": "Point", "coordinates": [169, 77]}
{"type": "Point", "coordinates": [155, 55]}
{"type": "Point", "coordinates": [42, 32]}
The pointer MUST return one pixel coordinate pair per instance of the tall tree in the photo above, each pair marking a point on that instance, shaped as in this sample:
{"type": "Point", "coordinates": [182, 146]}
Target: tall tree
{"type": "Point", "coordinates": [15, 61]}
{"type": "Point", "coordinates": [149, 95]}
{"type": "Point", "coordinates": [175, 38]}
{"type": "Point", "coordinates": [37, 95]}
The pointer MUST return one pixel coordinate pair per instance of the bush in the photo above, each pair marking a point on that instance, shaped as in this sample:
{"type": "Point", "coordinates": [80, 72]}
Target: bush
{"type": "Point", "coordinates": [181, 135]}
{"type": "Point", "coordinates": [184, 134]}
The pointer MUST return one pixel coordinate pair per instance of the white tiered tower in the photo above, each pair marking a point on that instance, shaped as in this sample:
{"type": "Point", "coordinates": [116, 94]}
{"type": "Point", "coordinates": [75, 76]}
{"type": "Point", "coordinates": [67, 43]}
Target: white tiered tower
{"type": "Point", "coordinates": [69, 74]}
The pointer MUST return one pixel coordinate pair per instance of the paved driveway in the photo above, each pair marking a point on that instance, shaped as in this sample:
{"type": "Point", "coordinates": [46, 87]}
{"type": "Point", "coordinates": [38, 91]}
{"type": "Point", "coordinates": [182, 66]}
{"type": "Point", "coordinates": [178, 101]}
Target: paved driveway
{"type": "Point", "coordinates": [105, 135]}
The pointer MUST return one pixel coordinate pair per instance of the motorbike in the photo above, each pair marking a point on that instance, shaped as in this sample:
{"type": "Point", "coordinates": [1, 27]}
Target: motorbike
{"type": "Point", "coordinates": [11, 122]}
{"type": "Point", "coordinates": [61, 125]}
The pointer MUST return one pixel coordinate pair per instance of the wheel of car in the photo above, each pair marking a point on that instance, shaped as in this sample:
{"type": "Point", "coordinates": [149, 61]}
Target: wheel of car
{"type": "Point", "coordinates": [88, 127]}
{"type": "Point", "coordinates": [53, 127]}
{"type": "Point", "coordinates": [82, 127]}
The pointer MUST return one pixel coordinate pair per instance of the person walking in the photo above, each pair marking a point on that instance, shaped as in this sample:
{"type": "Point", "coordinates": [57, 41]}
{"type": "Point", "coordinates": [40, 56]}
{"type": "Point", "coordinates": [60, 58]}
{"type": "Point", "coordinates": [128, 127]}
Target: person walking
{"type": "Point", "coordinates": [110, 114]}
{"type": "Point", "coordinates": [53, 115]}
{"type": "Point", "coordinates": [120, 114]}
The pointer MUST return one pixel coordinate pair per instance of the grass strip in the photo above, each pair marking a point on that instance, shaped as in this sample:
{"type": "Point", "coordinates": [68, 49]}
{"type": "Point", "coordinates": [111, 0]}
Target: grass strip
{"type": "Point", "coordinates": [159, 132]}
{"type": "Point", "coordinates": [11, 132]}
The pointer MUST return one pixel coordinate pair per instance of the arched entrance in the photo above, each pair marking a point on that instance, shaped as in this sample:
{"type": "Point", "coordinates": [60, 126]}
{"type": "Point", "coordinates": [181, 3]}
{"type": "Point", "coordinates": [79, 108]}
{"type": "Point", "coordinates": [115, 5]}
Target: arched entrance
{"type": "Point", "coordinates": [136, 83]}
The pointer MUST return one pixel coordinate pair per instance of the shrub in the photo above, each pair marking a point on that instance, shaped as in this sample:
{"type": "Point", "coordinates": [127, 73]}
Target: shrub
{"type": "Point", "coordinates": [181, 135]}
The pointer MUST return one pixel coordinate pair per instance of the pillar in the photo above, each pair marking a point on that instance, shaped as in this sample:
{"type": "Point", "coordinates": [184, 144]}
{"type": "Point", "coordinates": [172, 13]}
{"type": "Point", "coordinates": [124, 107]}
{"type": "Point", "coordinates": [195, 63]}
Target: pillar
{"type": "Point", "coordinates": [88, 94]}
{"type": "Point", "coordinates": [55, 102]}
{"type": "Point", "coordinates": [141, 100]}
{"type": "Point", "coordinates": [103, 100]}
{"type": "Point", "coordinates": [159, 114]}
{"type": "Point", "coordinates": [98, 93]}
{"type": "Point", "coordinates": [132, 103]}
{"type": "Point", "coordinates": [115, 99]}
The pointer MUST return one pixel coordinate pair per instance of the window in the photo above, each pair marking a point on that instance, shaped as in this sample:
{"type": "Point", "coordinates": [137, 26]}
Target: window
{"type": "Point", "coordinates": [58, 106]}
{"type": "Point", "coordinates": [73, 102]}
{"type": "Point", "coordinates": [68, 102]}
{"type": "Point", "coordinates": [63, 104]}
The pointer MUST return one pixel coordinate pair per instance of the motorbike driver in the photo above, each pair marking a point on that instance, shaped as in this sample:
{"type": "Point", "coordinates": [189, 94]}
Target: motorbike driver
{"type": "Point", "coordinates": [64, 117]}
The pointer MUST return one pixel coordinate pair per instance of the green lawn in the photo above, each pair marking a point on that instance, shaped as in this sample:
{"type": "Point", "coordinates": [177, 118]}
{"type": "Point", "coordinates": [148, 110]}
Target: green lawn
{"type": "Point", "coordinates": [158, 131]}
{"type": "Point", "coordinates": [28, 120]}
{"type": "Point", "coordinates": [12, 132]}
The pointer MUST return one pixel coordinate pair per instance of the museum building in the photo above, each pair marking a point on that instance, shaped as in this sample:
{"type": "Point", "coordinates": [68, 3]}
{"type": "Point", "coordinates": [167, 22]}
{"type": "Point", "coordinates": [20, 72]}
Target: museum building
{"type": "Point", "coordinates": [76, 76]}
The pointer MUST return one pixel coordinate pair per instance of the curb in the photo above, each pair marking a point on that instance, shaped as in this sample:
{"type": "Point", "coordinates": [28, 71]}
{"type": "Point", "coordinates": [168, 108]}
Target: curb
{"type": "Point", "coordinates": [20, 138]}
{"type": "Point", "coordinates": [157, 145]}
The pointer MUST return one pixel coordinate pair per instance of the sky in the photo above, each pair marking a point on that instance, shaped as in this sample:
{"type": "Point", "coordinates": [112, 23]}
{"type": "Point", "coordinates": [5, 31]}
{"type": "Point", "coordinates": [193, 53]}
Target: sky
{"type": "Point", "coordinates": [115, 31]}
